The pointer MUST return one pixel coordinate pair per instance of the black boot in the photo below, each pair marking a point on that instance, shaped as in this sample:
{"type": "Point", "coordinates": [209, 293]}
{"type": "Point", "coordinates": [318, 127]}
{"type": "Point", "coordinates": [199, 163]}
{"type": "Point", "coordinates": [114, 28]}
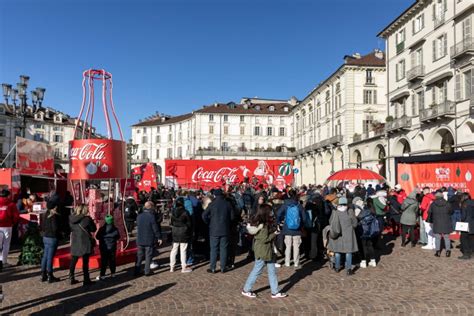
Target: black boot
{"type": "Point", "coordinates": [448, 253]}
{"type": "Point", "coordinates": [52, 278]}
{"type": "Point", "coordinates": [1, 265]}
{"type": "Point", "coordinates": [72, 280]}
{"type": "Point", "coordinates": [438, 253]}
{"type": "Point", "coordinates": [44, 276]}
{"type": "Point", "coordinates": [87, 281]}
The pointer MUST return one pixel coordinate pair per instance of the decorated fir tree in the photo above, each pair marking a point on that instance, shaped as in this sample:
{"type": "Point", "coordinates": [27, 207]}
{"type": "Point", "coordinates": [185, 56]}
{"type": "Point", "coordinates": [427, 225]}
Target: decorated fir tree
{"type": "Point", "coordinates": [32, 246]}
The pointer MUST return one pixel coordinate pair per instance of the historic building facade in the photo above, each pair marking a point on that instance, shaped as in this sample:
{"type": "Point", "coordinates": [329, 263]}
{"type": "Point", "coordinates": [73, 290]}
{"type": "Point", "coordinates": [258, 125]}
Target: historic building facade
{"type": "Point", "coordinates": [429, 51]}
{"type": "Point", "coordinates": [341, 109]}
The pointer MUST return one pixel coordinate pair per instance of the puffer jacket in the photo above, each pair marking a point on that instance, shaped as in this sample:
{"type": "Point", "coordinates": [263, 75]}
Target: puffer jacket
{"type": "Point", "coordinates": [81, 238]}
{"type": "Point", "coordinates": [180, 225]}
{"type": "Point", "coordinates": [263, 242]}
{"type": "Point", "coordinates": [439, 215]}
{"type": "Point", "coordinates": [410, 208]}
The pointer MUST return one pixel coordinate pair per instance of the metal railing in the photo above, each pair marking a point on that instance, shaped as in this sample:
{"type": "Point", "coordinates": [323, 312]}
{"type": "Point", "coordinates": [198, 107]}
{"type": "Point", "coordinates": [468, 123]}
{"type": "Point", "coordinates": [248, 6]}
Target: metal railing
{"type": "Point", "coordinates": [400, 47]}
{"type": "Point", "coordinates": [439, 20]}
{"type": "Point", "coordinates": [438, 110]}
{"type": "Point", "coordinates": [399, 123]}
{"type": "Point", "coordinates": [416, 72]}
{"type": "Point", "coordinates": [462, 47]}
{"type": "Point", "coordinates": [334, 140]}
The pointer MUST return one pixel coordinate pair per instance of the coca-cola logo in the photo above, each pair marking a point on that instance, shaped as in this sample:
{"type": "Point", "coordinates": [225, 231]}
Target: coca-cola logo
{"type": "Point", "coordinates": [224, 173]}
{"type": "Point", "coordinates": [88, 152]}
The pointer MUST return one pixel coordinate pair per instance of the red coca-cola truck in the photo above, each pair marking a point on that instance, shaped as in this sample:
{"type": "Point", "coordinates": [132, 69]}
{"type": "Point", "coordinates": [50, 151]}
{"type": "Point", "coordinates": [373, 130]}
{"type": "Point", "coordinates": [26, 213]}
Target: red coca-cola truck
{"type": "Point", "coordinates": [147, 176]}
{"type": "Point", "coordinates": [209, 174]}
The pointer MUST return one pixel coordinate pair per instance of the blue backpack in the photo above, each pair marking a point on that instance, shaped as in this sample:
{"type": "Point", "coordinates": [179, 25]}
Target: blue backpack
{"type": "Point", "coordinates": [292, 218]}
{"type": "Point", "coordinates": [188, 205]}
{"type": "Point", "coordinates": [370, 227]}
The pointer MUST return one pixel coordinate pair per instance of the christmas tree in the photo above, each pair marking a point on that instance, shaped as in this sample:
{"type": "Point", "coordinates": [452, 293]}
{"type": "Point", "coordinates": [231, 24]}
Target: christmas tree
{"type": "Point", "coordinates": [32, 246]}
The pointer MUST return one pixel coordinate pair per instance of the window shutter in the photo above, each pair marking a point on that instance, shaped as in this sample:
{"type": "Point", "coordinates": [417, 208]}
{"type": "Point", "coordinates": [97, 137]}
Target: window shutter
{"type": "Point", "coordinates": [375, 96]}
{"type": "Point", "coordinates": [467, 28]}
{"type": "Point", "coordinates": [422, 20]}
{"type": "Point", "coordinates": [434, 50]}
{"type": "Point", "coordinates": [413, 105]}
{"type": "Point", "coordinates": [472, 86]}
{"type": "Point", "coordinates": [397, 72]}
{"type": "Point", "coordinates": [445, 43]}
{"type": "Point", "coordinates": [445, 3]}
{"type": "Point", "coordinates": [413, 26]}
{"type": "Point", "coordinates": [413, 59]}
{"type": "Point", "coordinates": [434, 11]}
{"type": "Point", "coordinates": [458, 87]}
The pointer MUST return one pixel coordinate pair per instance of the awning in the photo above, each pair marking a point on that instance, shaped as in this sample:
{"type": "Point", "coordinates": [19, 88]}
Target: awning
{"type": "Point", "coordinates": [447, 74]}
{"type": "Point", "coordinates": [400, 95]}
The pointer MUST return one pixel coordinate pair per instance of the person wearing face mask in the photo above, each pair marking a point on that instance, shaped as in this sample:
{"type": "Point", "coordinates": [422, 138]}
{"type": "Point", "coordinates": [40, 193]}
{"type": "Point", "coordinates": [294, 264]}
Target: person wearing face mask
{"type": "Point", "coordinates": [342, 235]}
{"type": "Point", "coordinates": [367, 229]}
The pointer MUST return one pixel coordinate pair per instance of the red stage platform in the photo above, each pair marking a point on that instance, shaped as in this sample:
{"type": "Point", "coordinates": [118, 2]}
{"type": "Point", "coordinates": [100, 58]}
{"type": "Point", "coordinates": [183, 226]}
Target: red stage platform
{"type": "Point", "coordinates": [62, 259]}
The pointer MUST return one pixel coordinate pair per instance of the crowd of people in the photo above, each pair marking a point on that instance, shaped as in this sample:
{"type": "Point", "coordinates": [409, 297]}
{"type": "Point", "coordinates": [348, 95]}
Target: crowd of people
{"type": "Point", "coordinates": [348, 227]}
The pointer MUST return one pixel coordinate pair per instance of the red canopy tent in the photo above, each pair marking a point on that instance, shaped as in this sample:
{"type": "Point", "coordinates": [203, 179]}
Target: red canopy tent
{"type": "Point", "coordinates": [355, 174]}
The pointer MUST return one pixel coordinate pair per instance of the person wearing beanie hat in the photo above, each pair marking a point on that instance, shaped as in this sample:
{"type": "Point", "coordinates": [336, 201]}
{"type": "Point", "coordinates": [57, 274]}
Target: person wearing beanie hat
{"type": "Point", "coordinates": [107, 235]}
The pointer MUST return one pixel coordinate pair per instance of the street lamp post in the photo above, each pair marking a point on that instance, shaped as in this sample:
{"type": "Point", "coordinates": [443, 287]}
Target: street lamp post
{"type": "Point", "coordinates": [131, 151]}
{"type": "Point", "coordinates": [37, 97]}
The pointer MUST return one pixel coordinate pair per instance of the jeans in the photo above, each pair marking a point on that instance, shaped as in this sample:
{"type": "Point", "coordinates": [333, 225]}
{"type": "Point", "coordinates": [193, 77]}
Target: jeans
{"type": "Point", "coordinates": [85, 266]}
{"type": "Point", "coordinates": [144, 252]}
{"type": "Point", "coordinates": [257, 271]}
{"type": "Point", "coordinates": [423, 232]}
{"type": "Point", "coordinates": [447, 242]}
{"type": "Point", "coordinates": [219, 243]}
{"type": "Point", "coordinates": [348, 260]}
{"type": "Point", "coordinates": [50, 246]}
{"type": "Point", "coordinates": [107, 258]}
{"type": "Point", "coordinates": [189, 254]}
{"type": "Point", "coordinates": [5, 238]}
{"type": "Point", "coordinates": [295, 242]}
{"type": "Point", "coordinates": [182, 246]}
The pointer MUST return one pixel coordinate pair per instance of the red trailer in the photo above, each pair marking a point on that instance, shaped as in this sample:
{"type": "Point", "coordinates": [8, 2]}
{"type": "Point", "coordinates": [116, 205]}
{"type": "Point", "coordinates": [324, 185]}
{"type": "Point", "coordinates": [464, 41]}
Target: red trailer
{"type": "Point", "coordinates": [208, 174]}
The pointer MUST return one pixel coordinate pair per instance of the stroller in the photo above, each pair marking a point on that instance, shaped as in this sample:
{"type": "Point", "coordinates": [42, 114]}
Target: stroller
{"type": "Point", "coordinates": [330, 255]}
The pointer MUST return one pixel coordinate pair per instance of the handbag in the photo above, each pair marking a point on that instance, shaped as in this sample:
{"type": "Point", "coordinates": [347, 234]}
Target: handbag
{"type": "Point", "coordinates": [462, 227]}
{"type": "Point", "coordinates": [92, 239]}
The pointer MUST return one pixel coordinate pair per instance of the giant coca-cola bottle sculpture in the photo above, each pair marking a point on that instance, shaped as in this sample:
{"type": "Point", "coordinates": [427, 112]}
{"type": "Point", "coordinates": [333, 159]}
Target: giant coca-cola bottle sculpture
{"type": "Point", "coordinates": [94, 161]}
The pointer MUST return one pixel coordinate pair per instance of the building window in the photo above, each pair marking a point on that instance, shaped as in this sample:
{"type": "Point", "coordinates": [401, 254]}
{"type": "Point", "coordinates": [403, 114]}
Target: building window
{"type": "Point", "coordinates": [180, 152]}
{"type": "Point", "coordinates": [440, 47]}
{"type": "Point", "coordinates": [400, 41]}
{"type": "Point", "coordinates": [225, 146]}
{"type": "Point", "coordinates": [242, 118]}
{"type": "Point", "coordinates": [144, 140]}
{"type": "Point", "coordinates": [269, 131]}
{"type": "Point", "coordinates": [39, 126]}
{"type": "Point", "coordinates": [157, 154]}
{"type": "Point", "coordinates": [39, 137]}
{"type": "Point", "coordinates": [257, 131]}
{"type": "Point", "coordinates": [2, 132]}
{"type": "Point", "coordinates": [180, 136]}
{"type": "Point", "coordinates": [242, 147]}
{"type": "Point", "coordinates": [226, 118]}
{"type": "Point", "coordinates": [157, 129]}
{"type": "Point", "coordinates": [242, 130]}
{"type": "Point", "coordinates": [169, 153]}
{"type": "Point", "coordinates": [420, 96]}
{"type": "Point", "coordinates": [226, 130]}
{"type": "Point", "coordinates": [138, 131]}
{"type": "Point", "coordinates": [170, 137]}
{"type": "Point", "coordinates": [282, 131]}
{"type": "Point", "coordinates": [144, 154]}
{"type": "Point", "coordinates": [211, 129]}
{"type": "Point", "coordinates": [468, 84]}
{"type": "Point", "coordinates": [418, 23]}
{"type": "Point", "coordinates": [257, 146]}
{"type": "Point", "coordinates": [271, 108]}
{"type": "Point", "coordinates": [211, 117]}
{"type": "Point", "coordinates": [211, 145]}
{"type": "Point", "coordinates": [57, 139]}
{"type": "Point", "coordinates": [158, 139]}
{"type": "Point", "coordinates": [366, 124]}
{"type": "Point", "coordinates": [400, 70]}
{"type": "Point", "coordinates": [369, 79]}
{"type": "Point", "coordinates": [370, 96]}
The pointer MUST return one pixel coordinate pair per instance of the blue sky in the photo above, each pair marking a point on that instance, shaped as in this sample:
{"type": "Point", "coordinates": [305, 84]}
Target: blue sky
{"type": "Point", "coordinates": [175, 56]}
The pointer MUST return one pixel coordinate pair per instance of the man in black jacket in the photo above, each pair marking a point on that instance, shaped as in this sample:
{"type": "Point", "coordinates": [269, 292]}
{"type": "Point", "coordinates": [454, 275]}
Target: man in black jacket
{"type": "Point", "coordinates": [219, 215]}
{"type": "Point", "coordinates": [148, 233]}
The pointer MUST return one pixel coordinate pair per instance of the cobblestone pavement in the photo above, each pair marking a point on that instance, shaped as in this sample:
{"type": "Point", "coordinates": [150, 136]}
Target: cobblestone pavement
{"type": "Point", "coordinates": [407, 281]}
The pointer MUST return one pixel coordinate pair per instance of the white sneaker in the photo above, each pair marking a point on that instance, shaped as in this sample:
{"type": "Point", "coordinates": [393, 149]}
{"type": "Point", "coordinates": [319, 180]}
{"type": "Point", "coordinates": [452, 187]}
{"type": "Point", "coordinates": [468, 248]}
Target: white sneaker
{"type": "Point", "coordinates": [373, 263]}
{"type": "Point", "coordinates": [287, 265]}
{"type": "Point", "coordinates": [279, 295]}
{"type": "Point", "coordinates": [100, 278]}
{"type": "Point", "coordinates": [363, 264]}
{"type": "Point", "coordinates": [277, 265]}
{"type": "Point", "coordinates": [154, 265]}
{"type": "Point", "coordinates": [427, 247]}
{"type": "Point", "coordinates": [186, 270]}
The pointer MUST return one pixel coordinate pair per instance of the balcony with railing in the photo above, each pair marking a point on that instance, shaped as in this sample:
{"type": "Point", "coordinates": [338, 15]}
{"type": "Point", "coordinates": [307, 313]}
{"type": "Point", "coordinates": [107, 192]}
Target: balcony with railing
{"type": "Point", "coordinates": [398, 124]}
{"type": "Point", "coordinates": [332, 141]}
{"type": "Point", "coordinates": [416, 73]}
{"type": "Point", "coordinates": [400, 47]}
{"type": "Point", "coordinates": [463, 47]}
{"type": "Point", "coordinates": [243, 152]}
{"type": "Point", "coordinates": [438, 111]}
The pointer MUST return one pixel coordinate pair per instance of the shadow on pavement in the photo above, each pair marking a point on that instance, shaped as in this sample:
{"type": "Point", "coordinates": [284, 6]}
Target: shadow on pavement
{"type": "Point", "coordinates": [112, 308]}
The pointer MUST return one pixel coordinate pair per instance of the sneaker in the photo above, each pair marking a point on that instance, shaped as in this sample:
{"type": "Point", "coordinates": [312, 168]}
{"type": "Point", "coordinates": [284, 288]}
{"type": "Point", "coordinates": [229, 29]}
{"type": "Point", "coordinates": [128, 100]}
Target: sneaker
{"type": "Point", "coordinates": [171, 269]}
{"type": "Point", "coordinates": [279, 295]}
{"type": "Point", "coordinates": [287, 265]}
{"type": "Point", "coordinates": [100, 278]}
{"type": "Point", "coordinates": [277, 265]}
{"type": "Point", "coordinates": [154, 265]}
{"type": "Point", "coordinates": [186, 270]}
{"type": "Point", "coordinates": [373, 263]}
{"type": "Point", "coordinates": [363, 264]}
{"type": "Point", "coordinates": [249, 294]}
{"type": "Point", "coordinates": [427, 247]}
{"type": "Point", "coordinates": [112, 275]}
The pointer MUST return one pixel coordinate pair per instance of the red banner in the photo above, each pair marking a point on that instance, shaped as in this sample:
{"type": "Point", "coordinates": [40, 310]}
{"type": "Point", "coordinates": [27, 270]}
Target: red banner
{"type": "Point", "coordinates": [456, 174]}
{"type": "Point", "coordinates": [208, 174]}
{"type": "Point", "coordinates": [34, 158]}
{"type": "Point", "coordinates": [97, 159]}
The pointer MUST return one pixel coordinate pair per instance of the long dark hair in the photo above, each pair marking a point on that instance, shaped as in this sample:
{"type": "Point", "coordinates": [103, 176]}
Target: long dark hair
{"type": "Point", "coordinates": [464, 197]}
{"type": "Point", "coordinates": [262, 216]}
